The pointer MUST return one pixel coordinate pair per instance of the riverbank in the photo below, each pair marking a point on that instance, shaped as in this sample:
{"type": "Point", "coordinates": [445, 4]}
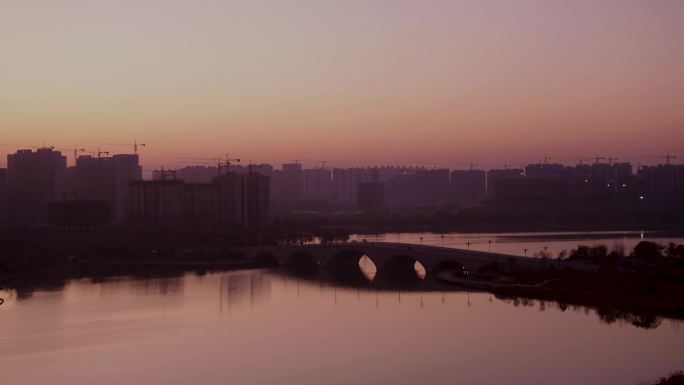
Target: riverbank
{"type": "Point", "coordinates": [638, 296]}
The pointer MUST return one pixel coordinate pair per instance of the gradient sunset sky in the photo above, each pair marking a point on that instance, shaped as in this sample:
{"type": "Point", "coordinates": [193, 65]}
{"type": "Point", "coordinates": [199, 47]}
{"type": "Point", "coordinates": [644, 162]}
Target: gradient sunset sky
{"type": "Point", "coordinates": [352, 82]}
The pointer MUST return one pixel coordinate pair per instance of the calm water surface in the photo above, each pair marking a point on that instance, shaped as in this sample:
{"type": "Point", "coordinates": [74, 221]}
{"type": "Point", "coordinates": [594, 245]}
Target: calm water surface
{"type": "Point", "coordinates": [267, 327]}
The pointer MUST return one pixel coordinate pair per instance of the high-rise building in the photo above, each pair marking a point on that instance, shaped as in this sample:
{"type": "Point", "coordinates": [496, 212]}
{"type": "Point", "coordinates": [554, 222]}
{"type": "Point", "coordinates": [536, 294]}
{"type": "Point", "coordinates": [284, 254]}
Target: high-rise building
{"type": "Point", "coordinates": [433, 186]}
{"type": "Point", "coordinates": [231, 198]}
{"type": "Point", "coordinates": [3, 196]}
{"type": "Point", "coordinates": [341, 187]}
{"type": "Point", "coordinates": [156, 202]}
{"type": "Point", "coordinates": [371, 196]}
{"type": "Point", "coordinates": [662, 185]}
{"type": "Point", "coordinates": [547, 170]}
{"type": "Point", "coordinates": [414, 187]}
{"type": "Point", "coordinates": [493, 176]}
{"type": "Point", "coordinates": [288, 185]}
{"type": "Point", "coordinates": [200, 203]}
{"type": "Point", "coordinates": [244, 199]}
{"type": "Point", "coordinates": [190, 174]}
{"type": "Point", "coordinates": [317, 185]}
{"type": "Point", "coordinates": [126, 169]}
{"type": "Point", "coordinates": [257, 199]}
{"type": "Point", "coordinates": [34, 179]}
{"type": "Point", "coordinates": [107, 179]}
{"type": "Point", "coordinates": [468, 187]}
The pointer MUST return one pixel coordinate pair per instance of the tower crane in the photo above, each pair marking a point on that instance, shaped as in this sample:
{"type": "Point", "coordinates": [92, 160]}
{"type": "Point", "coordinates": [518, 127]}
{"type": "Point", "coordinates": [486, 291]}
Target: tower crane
{"type": "Point", "coordinates": [598, 159]}
{"type": "Point", "coordinates": [220, 163]}
{"type": "Point", "coordinates": [668, 158]}
{"type": "Point", "coordinates": [164, 172]}
{"type": "Point", "coordinates": [229, 159]}
{"type": "Point", "coordinates": [216, 161]}
{"type": "Point", "coordinates": [76, 151]}
{"type": "Point", "coordinates": [135, 145]}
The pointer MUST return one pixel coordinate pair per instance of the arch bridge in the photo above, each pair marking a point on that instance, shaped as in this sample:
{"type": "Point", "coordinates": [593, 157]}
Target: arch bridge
{"type": "Point", "coordinates": [387, 256]}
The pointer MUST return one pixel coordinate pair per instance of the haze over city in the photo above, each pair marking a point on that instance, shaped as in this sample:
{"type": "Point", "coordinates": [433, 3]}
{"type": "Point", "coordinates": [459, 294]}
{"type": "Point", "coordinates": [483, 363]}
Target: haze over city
{"type": "Point", "coordinates": [324, 192]}
{"type": "Point", "coordinates": [354, 83]}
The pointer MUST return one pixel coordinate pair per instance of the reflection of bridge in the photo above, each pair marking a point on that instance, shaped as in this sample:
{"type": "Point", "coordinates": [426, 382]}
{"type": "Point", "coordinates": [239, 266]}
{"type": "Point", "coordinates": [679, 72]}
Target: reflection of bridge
{"type": "Point", "coordinates": [387, 256]}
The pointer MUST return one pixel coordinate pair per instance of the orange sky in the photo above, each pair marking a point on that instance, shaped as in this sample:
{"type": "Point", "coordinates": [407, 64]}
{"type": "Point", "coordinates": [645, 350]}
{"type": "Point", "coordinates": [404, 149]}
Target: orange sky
{"type": "Point", "coordinates": [351, 82]}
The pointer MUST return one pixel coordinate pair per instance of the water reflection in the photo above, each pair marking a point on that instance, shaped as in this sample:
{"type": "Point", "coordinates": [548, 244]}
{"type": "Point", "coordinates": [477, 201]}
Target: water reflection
{"type": "Point", "coordinates": [368, 268]}
{"type": "Point", "coordinates": [310, 325]}
{"type": "Point", "coordinates": [238, 288]}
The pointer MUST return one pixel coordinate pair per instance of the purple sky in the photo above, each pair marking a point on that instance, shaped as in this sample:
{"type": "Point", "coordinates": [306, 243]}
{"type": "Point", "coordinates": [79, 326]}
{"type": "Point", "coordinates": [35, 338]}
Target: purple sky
{"type": "Point", "coordinates": [352, 82]}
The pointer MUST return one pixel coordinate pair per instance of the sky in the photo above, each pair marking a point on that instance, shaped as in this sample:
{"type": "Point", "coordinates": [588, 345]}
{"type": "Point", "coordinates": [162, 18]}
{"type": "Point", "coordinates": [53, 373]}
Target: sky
{"type": "Point", "coordinates": [379, 82]}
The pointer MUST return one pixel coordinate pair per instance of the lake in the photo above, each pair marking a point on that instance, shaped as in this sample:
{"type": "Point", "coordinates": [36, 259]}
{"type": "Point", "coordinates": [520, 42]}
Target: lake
{"type": "Point", "coordinates": [312, 327]}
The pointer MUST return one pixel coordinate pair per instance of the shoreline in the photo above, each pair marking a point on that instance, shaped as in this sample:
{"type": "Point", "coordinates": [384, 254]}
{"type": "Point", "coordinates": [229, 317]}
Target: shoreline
{"type": "Point", "coordinates": [545, 287]}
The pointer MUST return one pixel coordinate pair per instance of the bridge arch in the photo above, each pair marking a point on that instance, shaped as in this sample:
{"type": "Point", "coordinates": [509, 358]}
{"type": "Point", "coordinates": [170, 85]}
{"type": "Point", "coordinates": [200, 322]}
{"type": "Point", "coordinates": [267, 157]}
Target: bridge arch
{"type": "Point", "coordinates": [266, 258]}
{"type": "Point", "coordinates": [301, 258]}
{"type": "Point", "coordinates": [347, 258]}
{"type": "Point", "coordinates": [401, 262]}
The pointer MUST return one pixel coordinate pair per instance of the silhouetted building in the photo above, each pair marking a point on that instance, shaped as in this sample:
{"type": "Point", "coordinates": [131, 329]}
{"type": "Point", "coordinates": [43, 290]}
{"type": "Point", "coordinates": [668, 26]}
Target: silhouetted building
{"type": "Point", "coordinates": [190, 174]}
{"type": "Point", "coordinates": [468, 187]}
{"type": "Point", "coordinates": [200, 203]}
{"type": "Point", "coordinates": [434, 185]}
{"type": "Point", "coordinates": [257, 200]}
{"type": "Point", "coordinates": [288, 185]}
{"type": "Point", "coordinates": [498, 174]}
{"type": "Point", "coordinates": [79, 214]}
{"type": "Point", "coordinates": [317, 185]}
{"type": "Point", "coordinates": [342, 187]}
{"type": "Point", "coordinates": [547, 170]}
{"type": "Point", "coordinates": [371, 196]}
{"type": "Point", "coordinates": [34, 179]}
{"type": "Point", "coordinates": [530, 190]}
{"type": "Point", "coordinates": [107, 179]}
{"type": "Point", "coordinates": [157, 202]}
{"type": "Point", "coordinates": [418, 187]}
{"type": "Point", "coordinates": [662, 186]}
{"type": "Point", "coordinates": [231, 194]}
{"type": "Point", "coordinates": [3, 195]}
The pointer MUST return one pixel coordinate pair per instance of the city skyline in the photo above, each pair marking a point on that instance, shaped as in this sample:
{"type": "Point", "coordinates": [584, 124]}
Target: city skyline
{"type": "Point", "coordinates": [181, 160]}
{"type": "Point", "coordinates": [436, 83]}
{"type": "Point", "coordinates": [342, 192]}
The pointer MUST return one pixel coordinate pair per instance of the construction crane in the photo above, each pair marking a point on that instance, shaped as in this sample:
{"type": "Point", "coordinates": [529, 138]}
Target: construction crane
{"type": "Point", "coordinates": [164, 172]}
{"type": "Point", "coordinates": [197, 162]}
{"type": "Point", "coordinates": [100, 152]}
{"type": "Point", "coordinates": [229, 159]}
{"type": "Point", "coordinates": [323, 163]}
{"type": "Point", "coordinates": [76, 151]}
{"type": "Point", "coordinates": [611, 159]}
{"type": "Point", "coordinates": [598, 159]}
{"type": "Point", "coordinates": [545, 157]}
{"type": "Point", "coordinates": [668, 158]}
{"type": "Point", "coordinates": [135, 145]}
{"type": "Point", "coordinates": [220, 163]}
{"type": "Point", "coordinates": [217, 161]}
